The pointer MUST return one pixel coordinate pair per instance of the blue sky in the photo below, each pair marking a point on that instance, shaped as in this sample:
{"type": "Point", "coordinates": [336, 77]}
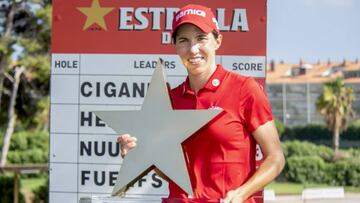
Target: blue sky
{"type": "Point", "coordinates": [313, 30]}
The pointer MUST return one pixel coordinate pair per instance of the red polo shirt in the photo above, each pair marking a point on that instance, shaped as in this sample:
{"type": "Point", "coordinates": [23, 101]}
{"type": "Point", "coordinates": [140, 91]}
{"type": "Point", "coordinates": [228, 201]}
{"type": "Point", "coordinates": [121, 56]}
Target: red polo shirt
{"type": "Point", "coordinates": [221, 155]}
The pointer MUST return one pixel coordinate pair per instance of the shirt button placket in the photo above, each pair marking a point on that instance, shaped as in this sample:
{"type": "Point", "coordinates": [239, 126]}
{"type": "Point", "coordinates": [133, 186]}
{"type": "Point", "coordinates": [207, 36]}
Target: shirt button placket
{"type": "Point", "coordinates": [199, 99]}
{"type": "Point", "coordinates": [197, 102]}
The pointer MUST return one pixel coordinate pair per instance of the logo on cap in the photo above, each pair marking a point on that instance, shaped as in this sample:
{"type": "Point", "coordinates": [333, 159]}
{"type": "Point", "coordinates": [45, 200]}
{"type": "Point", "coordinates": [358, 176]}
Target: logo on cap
{"type": "Point", "coordinates": [198, 15]}
{"type": "Point", "coordinates": [190, 12]}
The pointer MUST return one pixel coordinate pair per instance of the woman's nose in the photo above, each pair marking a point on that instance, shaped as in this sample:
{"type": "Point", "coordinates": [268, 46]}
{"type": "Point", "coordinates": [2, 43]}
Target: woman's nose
{"type": "Point", "coordinates": [195, 48]}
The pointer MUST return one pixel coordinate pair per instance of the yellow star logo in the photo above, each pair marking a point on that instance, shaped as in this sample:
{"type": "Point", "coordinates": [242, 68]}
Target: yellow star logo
{"type": "Point", "coordinates": [95, 14]}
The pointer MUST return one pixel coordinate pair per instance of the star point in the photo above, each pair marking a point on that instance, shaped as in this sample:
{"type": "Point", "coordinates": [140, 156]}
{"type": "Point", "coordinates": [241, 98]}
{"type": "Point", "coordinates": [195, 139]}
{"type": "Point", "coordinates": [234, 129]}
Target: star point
{"type": "Point", "coordinates": [95, 14]}
{"type": "Point", "coordinates": [159, 130]}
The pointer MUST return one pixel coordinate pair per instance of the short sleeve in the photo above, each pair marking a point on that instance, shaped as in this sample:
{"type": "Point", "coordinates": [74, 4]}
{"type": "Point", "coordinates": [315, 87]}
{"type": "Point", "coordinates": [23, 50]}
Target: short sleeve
{"type": "Point", "coordinates": [256, 108]}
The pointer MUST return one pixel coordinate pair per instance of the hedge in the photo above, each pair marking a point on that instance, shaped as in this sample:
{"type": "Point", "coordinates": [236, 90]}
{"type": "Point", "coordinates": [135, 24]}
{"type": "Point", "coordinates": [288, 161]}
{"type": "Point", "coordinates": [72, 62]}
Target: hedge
{"type": "Point", "coordinates": [312, 169]}
{"type": "Point", "coordinates": [344, 173]}
{"type": "Point", "coordinates": [316, 132]}
{"type": "Point", "coordinates": [309, 132]}
{"type": "Point", "coordinates": [352, 132]}
{"type": "Point", "coordinates": [305, 169]}
{"type": "Point", "coordinates": [28, 147]}
{"type": "Point", "coordinates": [6, 190]}
{"type": "Point", "coordinates": [309, 163]}
{"type": "Point", "coordinates": [297, 148]}
{"type": "Point", "coordinates": [41, 194]}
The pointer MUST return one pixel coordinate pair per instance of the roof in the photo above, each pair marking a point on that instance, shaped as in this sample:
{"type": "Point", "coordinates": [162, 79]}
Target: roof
{"type": "Point", "coordinates": [313, 73]}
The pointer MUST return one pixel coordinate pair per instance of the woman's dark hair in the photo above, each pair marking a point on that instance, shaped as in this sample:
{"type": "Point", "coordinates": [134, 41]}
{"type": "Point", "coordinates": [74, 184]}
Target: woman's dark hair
{"type": "Point", "coordinates": [214, 32]}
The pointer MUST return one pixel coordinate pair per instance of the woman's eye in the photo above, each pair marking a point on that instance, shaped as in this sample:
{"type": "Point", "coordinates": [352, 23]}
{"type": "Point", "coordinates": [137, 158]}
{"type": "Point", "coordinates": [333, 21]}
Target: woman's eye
{"type": "Point", "coordinates": [202, 38]}
{"type": "Point", "coordinates": [181, 40]}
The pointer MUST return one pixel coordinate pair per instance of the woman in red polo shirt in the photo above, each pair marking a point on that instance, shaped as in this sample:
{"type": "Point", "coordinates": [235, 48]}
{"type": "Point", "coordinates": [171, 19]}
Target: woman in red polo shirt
{"type": "Point", "coordinates": [221, 155]}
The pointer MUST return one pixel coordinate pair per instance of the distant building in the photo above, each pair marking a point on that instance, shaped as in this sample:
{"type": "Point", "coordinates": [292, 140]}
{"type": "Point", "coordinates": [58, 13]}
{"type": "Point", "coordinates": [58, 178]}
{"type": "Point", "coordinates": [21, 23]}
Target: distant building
{"type": "Point", "coordinates": [294, 89]}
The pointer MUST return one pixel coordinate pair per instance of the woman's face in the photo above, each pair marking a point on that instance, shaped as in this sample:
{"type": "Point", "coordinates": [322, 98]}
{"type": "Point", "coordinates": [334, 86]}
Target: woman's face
{"type": "Point", "coordinates": [196, 49]}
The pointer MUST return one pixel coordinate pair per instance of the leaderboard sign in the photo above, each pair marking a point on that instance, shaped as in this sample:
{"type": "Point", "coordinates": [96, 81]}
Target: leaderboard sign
{"type": "Point", "coordinates": [103, 55]}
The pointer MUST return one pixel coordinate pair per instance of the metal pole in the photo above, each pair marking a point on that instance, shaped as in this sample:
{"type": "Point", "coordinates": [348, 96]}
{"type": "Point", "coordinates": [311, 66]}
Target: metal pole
{"type": "Point", "coordinates": [16, 187]}
{"type": "Point", "coordinates": [308, 103]}
{"type": "Point", "coordinates": [284, 102]}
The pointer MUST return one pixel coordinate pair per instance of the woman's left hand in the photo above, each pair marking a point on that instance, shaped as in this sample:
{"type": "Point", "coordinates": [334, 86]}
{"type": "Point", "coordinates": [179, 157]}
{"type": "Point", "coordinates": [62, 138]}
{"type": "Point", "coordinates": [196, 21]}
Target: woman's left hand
{"type": "Point", "coordinates": [233, 196]}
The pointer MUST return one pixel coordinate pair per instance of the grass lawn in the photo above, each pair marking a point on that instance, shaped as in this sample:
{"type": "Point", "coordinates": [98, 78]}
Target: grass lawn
{"type": "Point", "coordinates": [28, 185]}
{"type": "Point", "coordinates": [296, 188]}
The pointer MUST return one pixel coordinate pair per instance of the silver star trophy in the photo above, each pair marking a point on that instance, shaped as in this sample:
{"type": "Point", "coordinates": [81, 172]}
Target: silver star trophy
{"type": "Point", "coordinates": [159, 130]}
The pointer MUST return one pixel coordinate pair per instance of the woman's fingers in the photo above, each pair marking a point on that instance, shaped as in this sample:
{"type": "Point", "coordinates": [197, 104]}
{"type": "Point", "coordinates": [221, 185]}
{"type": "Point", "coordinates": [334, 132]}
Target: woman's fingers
{"type": "Point", "coordinates": [127, 142]}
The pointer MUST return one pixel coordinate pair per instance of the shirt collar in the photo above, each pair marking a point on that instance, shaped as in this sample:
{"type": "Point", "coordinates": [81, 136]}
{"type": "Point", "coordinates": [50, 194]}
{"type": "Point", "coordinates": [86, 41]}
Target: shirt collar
{"type": "Point", "coordinates": [212, 84]}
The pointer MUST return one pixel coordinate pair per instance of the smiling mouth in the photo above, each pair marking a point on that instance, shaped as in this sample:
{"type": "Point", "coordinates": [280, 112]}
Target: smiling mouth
{"type": "Point", "coordinates": [195, 60]}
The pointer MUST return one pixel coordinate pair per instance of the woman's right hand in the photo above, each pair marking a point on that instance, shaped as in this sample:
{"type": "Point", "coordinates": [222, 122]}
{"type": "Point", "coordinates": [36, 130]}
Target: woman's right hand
{"type": "Point", "coordinates": [126, 142]}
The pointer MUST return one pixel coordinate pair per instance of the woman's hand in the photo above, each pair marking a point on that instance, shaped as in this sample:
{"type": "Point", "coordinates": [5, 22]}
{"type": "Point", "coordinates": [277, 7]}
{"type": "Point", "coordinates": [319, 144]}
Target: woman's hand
{"type": "Point", "coordinates": [233, 196]}
{"type": "Point", "coordinates": [127, 142]}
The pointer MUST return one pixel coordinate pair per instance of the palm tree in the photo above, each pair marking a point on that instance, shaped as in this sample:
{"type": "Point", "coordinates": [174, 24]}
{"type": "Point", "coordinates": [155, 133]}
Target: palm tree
{"type": "Point", "coordinates": [335, 103]}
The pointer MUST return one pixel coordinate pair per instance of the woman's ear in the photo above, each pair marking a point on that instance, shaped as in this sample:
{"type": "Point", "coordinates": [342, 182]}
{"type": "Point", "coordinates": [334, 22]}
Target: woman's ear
{"type": "Point", "coordinates": [218, 42]}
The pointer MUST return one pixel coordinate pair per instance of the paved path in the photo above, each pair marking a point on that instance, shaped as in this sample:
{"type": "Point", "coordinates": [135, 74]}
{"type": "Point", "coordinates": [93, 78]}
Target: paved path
{"type": "Point", "coordinates": [349, 198]}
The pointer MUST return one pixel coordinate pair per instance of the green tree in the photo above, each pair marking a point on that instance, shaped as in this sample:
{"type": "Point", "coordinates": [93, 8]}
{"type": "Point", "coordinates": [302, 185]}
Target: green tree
{"type": "Point", "coordinates": [24, 24]}
{"type": "Point", "coordinates": [335, 103]}
{"type": "Point", "coordinates": [33, 99]}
